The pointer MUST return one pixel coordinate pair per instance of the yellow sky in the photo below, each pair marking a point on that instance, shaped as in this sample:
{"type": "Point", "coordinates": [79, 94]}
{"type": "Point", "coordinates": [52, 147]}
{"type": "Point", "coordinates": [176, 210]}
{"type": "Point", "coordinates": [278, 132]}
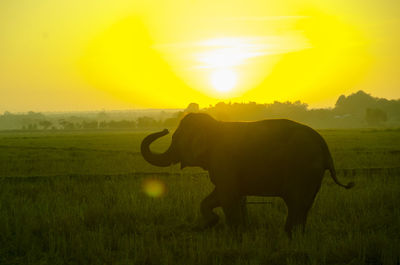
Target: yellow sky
{"type": "Point", "coordinates": [91, 55]}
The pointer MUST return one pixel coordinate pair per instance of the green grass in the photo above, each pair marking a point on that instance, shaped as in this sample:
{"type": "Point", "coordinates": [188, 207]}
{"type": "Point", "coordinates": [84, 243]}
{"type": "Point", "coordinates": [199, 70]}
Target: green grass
{"type": "Point", "coordinates": [77, 198]}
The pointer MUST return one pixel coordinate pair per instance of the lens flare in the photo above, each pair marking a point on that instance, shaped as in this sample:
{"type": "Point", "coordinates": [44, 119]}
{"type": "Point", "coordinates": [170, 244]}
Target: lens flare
{"type": "Point", "coordinates": [154, 188]}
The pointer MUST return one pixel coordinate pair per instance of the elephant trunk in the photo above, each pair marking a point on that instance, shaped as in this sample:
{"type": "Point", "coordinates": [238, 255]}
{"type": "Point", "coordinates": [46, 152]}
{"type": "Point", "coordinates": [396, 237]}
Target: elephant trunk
{"type": "Point", "coordinates": [162, 160]}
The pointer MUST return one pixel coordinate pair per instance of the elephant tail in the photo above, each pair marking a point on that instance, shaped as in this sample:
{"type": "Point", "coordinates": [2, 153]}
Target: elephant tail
{"type": "Point", "coordinates": [331, 167]}
{"type": "Point", "coordinates": [333, 175]}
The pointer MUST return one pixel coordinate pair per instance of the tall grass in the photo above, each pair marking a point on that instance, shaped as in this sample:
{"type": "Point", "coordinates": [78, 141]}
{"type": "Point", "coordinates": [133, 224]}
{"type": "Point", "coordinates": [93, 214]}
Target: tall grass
{"type": "Point", "coordinates": [112, 221]}
{"type": "Point", "coordinates": [107, 218]}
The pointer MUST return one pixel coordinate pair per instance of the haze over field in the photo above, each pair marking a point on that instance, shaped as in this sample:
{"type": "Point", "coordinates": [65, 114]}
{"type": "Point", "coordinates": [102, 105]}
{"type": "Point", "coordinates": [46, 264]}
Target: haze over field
{"type": "Point", "coordinates": [74, 55]}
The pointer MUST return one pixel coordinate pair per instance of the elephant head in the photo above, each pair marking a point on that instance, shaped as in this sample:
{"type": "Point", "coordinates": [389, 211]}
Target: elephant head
{"type": "Point", "coordinates": [191, 143]}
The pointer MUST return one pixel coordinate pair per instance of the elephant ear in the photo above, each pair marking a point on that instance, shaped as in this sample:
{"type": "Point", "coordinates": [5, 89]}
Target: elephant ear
{"type": "Point", "coordinates": [200, 146]}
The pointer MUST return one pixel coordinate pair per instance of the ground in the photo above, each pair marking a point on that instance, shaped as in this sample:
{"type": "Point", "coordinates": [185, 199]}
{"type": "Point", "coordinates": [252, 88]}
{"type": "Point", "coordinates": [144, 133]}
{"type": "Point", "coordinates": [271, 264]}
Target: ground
{"type": "Point", "coordinates": [80, 198]}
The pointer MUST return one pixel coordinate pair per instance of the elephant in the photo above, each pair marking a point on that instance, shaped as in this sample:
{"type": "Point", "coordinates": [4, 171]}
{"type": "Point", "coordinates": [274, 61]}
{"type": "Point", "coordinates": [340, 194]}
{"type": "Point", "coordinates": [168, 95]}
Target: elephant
{"type": "Point", "coordinates": [274, 157]}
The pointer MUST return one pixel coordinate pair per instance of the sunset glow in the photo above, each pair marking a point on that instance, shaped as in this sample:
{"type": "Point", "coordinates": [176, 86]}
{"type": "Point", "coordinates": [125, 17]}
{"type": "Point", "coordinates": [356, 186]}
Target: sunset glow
{"type": "Point", "coordinates": [223, 80]}
{"type": "Point", "coordinates": [144, 54]}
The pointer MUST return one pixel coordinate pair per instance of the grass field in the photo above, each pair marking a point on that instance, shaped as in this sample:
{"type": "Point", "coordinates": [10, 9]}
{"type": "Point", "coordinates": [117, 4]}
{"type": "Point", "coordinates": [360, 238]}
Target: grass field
{"type": "Point", "coordinates": [77, 198]}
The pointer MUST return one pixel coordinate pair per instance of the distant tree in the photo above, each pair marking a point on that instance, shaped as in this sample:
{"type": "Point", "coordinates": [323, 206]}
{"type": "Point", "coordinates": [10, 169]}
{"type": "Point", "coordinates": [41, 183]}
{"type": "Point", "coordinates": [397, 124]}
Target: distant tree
{"type": "Point", "coordinates": [375, 117]}
{"type": "Point", "coordinates": [128, 124]}
{"type": "Point", "coordinates": [146, 122]}
{"type": "Point", "coordinates": [221, 111]}
{"type": "Point", "coordinates": [192, 107]}
{"type": "Point", "coordinates": [32, 126]}
{"type": "Point", "coordinates": [103, 124]}
{"type": "Point", "coordinates": [66, 125]}
{"type": "Point", "coordinates": [35, 115]}
{"type": "Point", "coordinates": [340, 101]}
{"type": "Point", "coordinates": [102, 116]}
{"type": "Point", "coordinates": [45, 124]}
{"type": "Point", "coordinates": [89, 125]}
{"type": "Point", "coordinates": [355, 103]}
{"type": "Point", "coordinates": [124, 124]}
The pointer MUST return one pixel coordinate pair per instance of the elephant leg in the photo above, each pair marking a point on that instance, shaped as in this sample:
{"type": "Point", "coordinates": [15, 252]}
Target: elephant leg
{"type": "Point", "coordinates": [244, 213]}
{"type": "Point", "coordinates": [206, 208]}
{"type": "Point", "coordinates": [297, 217]}
{"type": "Point", "coordinates": [298, 207]}
{"type": "Point", "coordinates": [300, 197]}
{"type": "Point", "coordinates": [235, 210]}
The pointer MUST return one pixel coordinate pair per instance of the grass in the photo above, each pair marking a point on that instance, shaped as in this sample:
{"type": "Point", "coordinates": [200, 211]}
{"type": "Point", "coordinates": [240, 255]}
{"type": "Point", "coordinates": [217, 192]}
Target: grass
{"type": "Point", "coordinates": [77, 198]}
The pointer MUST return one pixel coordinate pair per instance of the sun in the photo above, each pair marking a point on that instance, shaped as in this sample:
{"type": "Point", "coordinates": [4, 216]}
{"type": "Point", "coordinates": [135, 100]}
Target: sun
{"type": "Point", "coordinates": [223, 80]}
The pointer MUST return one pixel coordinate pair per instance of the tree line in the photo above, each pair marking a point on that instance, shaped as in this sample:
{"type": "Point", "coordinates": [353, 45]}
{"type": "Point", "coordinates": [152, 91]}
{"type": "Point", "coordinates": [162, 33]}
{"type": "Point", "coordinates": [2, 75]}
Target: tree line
{"type": "Point", "coordinates": [358, 110]}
